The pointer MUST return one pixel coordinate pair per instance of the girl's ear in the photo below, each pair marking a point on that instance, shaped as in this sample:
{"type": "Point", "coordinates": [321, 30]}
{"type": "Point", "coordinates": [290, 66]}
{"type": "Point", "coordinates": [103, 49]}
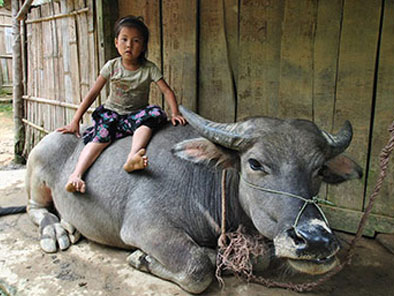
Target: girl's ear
{"type": "Point", "coordinates": [202, 151]}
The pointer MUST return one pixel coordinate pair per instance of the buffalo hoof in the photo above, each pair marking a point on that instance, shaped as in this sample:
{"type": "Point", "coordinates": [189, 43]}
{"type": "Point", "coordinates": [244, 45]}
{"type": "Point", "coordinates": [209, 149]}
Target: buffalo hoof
{"type": "Point", "coordinates": [139, 260]}
{"type": "Point", "coordinates": [73, 234]}
{"type": "Point", "coordinates": [53, 235]}
{"type": "Point", "coordinates": [58, 235]}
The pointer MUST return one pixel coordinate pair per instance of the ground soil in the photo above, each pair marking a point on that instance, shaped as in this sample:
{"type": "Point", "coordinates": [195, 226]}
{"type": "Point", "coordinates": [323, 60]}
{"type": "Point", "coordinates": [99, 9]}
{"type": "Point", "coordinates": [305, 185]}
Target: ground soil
{"type": "Point", "coordinates": [91, 269]}
{"type": "Point", "coordinates": [6, 138]}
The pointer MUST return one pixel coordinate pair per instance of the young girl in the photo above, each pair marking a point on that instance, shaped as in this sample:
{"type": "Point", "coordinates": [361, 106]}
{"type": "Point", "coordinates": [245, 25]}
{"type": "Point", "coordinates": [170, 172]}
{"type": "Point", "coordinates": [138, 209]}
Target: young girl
{"type": "Point", "coordinates": [126, 111]}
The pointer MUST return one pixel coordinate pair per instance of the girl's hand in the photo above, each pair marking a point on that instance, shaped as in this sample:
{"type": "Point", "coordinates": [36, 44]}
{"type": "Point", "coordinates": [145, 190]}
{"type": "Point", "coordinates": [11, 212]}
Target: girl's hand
{"type": "Point", "coordinates": [72, 128]}
{"type": "Point", "coordinates": [178, 118]}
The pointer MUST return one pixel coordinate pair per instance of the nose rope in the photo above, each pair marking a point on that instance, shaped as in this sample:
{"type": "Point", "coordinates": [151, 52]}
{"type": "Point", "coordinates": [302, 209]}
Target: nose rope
{"type": "Point", "coordinates": [314, 201]}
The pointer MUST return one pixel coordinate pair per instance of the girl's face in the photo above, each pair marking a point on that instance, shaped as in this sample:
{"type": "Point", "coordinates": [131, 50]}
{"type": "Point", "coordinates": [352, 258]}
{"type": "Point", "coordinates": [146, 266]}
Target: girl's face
{"type": "Point", "coordinates": [130, 44]}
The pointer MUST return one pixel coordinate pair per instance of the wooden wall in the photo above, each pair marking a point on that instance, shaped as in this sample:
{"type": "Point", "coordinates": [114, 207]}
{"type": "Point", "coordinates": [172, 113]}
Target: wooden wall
{"type": "Point", "coordinates": [323, 60]}
{"type": "Point", "coordinates": [327, 61]}
{"type": "Point", "coordinates": [5, 50]}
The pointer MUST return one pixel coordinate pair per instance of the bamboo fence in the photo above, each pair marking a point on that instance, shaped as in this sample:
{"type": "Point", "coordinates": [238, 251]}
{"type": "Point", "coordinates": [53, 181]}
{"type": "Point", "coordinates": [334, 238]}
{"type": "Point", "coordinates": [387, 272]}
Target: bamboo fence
{"type": "Point", "coordinates": [5, 49]}
{"type": "Point", "coordinates": [61, 64]}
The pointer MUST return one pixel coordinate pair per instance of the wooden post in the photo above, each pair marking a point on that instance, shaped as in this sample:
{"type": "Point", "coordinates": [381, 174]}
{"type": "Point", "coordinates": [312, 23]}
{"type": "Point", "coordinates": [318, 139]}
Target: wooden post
{"type": "Point", "coordinates": [19, 130]}
{"type": "Point", "coordinates": [106, 14]}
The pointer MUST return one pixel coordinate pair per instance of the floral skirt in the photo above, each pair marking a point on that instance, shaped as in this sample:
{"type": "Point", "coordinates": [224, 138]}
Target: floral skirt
{"type": "Point", "coordinates": [109, 126]}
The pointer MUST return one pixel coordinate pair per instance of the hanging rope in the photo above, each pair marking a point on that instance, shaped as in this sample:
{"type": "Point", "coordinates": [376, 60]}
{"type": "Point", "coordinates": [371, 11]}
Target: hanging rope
{"type": "Point", "coordinates": [236, 254]}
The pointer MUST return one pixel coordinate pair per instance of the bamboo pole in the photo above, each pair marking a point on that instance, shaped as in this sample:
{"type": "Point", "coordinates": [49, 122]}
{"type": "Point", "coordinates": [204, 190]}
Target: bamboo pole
{"type": "Point", "coordinates": [54, 103]}
{"type": "Point", "coordinates": [19, 130]}
{"type": "Point", "coordinates": [37, 127]}
{"type": "Point", "coordinates": [58, 16]}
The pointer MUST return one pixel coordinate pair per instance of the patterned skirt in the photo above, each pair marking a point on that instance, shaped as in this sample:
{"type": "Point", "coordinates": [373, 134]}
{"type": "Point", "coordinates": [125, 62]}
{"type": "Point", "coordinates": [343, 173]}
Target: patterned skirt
{"type": "Point", "coordinates": [109, 126]}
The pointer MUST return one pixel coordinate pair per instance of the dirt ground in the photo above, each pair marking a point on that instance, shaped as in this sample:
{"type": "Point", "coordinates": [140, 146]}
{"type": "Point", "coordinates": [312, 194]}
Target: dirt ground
{"type": "Point", "coordinates": [91, 269]}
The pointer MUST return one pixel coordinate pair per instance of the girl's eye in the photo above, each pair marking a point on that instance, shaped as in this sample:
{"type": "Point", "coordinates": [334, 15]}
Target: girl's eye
{"type": "Point", "coordinates": [255, 165]}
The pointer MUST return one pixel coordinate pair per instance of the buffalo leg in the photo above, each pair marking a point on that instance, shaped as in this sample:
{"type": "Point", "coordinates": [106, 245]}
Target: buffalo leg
{"type": "Point", "coordinates": [53, 232]}
{"type": "Point", "coordinates": [174, 256]}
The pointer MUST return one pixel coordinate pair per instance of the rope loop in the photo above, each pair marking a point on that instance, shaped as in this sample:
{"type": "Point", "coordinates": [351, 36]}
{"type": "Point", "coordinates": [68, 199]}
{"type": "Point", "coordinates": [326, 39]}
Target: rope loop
{"type": "Point", "coordinates": [314, 201]}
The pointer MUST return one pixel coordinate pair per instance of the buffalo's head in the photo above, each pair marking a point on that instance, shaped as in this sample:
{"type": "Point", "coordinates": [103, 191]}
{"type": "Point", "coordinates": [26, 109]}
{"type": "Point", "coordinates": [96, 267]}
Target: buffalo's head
{"type": "Point", "coordinates": [282, 164]}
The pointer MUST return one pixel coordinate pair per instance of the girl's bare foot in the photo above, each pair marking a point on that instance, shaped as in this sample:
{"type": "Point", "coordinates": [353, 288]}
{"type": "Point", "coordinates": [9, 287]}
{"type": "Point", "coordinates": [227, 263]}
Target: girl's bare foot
{"type": "Point", "coordinates": [137, 161]}
{"type": "Point", "coordinates": [75, 183]}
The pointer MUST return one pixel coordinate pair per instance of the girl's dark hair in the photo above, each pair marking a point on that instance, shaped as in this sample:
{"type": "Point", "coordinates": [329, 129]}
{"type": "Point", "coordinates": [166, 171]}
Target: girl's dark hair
{"type": "Point", "coordinates": [131, 21]}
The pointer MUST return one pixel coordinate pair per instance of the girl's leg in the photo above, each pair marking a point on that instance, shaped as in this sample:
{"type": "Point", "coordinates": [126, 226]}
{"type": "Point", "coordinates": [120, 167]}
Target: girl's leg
{"type": "Point", "coordinates": [137, 159]}
{"type": "Point", "coordinates": [88, 155]}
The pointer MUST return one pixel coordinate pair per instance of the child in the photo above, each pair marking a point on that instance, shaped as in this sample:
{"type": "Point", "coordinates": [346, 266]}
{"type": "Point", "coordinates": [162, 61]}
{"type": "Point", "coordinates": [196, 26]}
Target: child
{"type": "Point", "coordinates": [126, 111]}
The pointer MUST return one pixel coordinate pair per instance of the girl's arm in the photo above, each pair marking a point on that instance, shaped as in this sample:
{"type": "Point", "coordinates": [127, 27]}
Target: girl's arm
{"type": "Point", "coordinates": [169, 96]}
{"type": "Point", "coordinates": [90, 97]}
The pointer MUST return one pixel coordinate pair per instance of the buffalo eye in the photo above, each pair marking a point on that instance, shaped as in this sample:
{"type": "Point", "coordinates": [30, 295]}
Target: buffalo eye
{"type": "Point", "coordinates": [255, 165]}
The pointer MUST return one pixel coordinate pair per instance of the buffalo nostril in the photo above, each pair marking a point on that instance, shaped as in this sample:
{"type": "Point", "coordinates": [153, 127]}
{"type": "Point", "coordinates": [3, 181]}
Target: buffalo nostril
{"type": "Point", "coordinates": [298, 241]}
{"type": "Point", "coordinates": [318, 240]}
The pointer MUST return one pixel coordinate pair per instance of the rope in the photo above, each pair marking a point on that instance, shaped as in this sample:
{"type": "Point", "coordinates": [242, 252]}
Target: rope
{"type": "Point", "coordinates": [12, 210]}
{"type": "Point", "coordinates": [384, 158]}
{"type": "Point", "coordinates": [314, 200]}
{"type": "Point", "coordinates": [222, 238]}
{"type": "Point", "coordinates": [222, 260]}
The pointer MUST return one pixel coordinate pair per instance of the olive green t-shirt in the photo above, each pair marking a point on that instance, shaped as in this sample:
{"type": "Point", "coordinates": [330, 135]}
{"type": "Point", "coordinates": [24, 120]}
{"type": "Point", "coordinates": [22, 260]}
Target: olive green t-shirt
{"type": "Point", "coordinates": [129, 90]}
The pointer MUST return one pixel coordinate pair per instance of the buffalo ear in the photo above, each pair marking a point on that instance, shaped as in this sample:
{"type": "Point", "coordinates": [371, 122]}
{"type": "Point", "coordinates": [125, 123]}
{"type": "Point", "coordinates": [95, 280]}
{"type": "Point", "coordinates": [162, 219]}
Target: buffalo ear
{"type": "Point", "coordinates": [203, 151]}
{"type": "Point", "coordinates": [339, 169]}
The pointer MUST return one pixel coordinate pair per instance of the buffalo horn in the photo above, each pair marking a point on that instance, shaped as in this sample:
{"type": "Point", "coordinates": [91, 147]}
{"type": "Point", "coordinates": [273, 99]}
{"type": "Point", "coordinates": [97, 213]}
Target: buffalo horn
{"type": "Point", "coordinates": [225, 134]}
{"type": "Point", "coordinates": [341, 140]}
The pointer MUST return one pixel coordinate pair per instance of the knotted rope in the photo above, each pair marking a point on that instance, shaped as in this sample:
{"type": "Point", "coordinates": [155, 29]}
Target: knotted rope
{"type": "Point", "coordinates": [236, 254]}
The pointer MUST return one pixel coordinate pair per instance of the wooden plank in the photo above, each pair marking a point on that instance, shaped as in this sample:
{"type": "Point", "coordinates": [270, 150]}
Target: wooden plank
{"type": "Point", "coordinates": [39, 54]}
{"type": "Point", "coordinates": [325, 59]}
{"type": "Point", "coordinates": [29, 59]}
{"type": "Point", "coordinates": [2, 53]}
{"type": "Point", "coordinates": [259, 57]}
{"type": "Point", "coordinates": [231, 23]}
{"type": "Point", "coordinates": [57, 66]}
{"type": "Point", "coordinates": [37, 65]}
{"type": "Point", "coordinates": [348, 220]}
{"type": "Point", "coordinates": [296, 65]}
{"type": "Point", "coordinates": [354, 94]}
{"type": "Point", "coordinates": [66, 51]}
{"type": "Point", "coordinates": [384, 115]}
{"type": "Point", "coordinates": [53, 65]}
{"type": "Point", "coordinates": [34, 46]}
{"type": "Point", "coordinates": [74, 57]}
{"type": "Point", "coordinates": [180, 50]}
{"type": "Point", "coordinates": [150, 11]}
{"type": "Point", "coordinates": [93, 68]}
{"type": "Point", "coordinates": [48, 70]}
{"type": "Point", "coordinates": [83, 50]}
{"type": "Point", "coordinates": [216, 85]}
{"type": "Point", "coordinates": [106, 13]}
{"type": "Point", "coordinates": [94, 62]}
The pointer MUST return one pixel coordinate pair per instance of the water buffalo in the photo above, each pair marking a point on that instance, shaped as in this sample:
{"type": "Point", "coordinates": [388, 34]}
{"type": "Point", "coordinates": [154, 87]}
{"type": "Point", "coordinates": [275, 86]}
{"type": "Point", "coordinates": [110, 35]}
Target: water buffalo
{"type": "Point", "coordinates": [169, 214]}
